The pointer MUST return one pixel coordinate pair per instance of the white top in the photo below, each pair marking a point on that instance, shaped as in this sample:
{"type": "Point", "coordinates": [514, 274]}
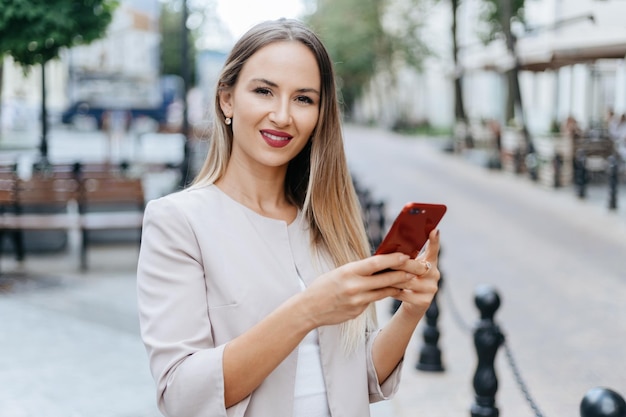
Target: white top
{"type": "Point", "coordinates": [310, 389]}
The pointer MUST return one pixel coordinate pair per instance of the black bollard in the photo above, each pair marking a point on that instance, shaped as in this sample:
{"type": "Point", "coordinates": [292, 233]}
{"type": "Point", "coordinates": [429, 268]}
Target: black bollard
{"type": "Point", "coordinates": [430, 354]}
{"type": "Point", "coordinates": [517, 161]}
{"type": "Point", "coordinates": [487, 339]}
{"type": "Point", "coordinates": [532, 165]}
{"type": "Point", "coordinates": [580, 173]}
{"type": "Point", "coordinates": [376, 222]}
{"type": "Point", "coordinates": [364, 197]}
{"type": "Point", "coordinates": [613, 181]}
{"type": "Point", "coordinates": [557, 164]}
{"type": "Point", "coordinates": [602, 402]}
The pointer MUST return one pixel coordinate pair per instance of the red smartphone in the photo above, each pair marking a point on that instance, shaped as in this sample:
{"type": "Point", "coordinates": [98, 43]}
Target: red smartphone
{"type": "Point", "coordinates": [409, 232]}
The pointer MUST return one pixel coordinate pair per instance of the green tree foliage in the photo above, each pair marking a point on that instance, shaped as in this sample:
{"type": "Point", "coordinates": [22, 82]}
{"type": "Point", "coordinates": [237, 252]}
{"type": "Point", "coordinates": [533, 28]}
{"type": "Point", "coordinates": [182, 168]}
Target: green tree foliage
{"type": "Point", "coordinates": [365, 37]}
{"type": "Point", "coordinates": [34, 32]}
{"type": "Point", "coordinates": [199, 12]}
{"type": "Point", "coordinates": [494, 13]}
{"type": "Point", "coordinates": [171, 39]}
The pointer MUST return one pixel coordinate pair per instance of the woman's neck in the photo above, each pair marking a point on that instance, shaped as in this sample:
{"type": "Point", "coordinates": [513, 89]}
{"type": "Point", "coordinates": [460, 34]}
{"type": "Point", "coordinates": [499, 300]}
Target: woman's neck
{"type": "Point", "coordinates": [264, 194]}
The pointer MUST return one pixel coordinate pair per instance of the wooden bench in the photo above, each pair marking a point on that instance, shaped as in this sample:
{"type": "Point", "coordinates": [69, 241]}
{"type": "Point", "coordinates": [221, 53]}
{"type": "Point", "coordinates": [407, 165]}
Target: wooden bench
{"type": "Point", "coordinates": [38, 203]}
{"type": "Point", "coordinates": [105, 196]}
{"type": "Point", "coordinates": [109, 200]}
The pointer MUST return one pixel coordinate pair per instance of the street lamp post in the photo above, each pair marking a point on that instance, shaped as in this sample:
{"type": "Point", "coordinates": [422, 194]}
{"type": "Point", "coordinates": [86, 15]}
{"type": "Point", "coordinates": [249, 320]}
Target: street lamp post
{"type": "Point", "coordinates": [184, 68]}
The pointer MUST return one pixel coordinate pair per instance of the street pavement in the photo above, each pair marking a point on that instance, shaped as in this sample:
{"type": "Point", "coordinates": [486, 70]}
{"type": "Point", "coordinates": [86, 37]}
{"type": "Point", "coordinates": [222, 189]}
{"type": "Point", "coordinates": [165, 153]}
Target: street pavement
{"type": "Point", "coordinates": [557, 262]}
{"type": "Point", "coordinates": [70, 343]}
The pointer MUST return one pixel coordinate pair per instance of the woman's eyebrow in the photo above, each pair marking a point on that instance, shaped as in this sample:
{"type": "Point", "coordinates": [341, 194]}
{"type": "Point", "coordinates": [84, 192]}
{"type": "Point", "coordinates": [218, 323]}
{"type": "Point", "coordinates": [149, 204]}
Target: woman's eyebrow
{"type": "Point", "coordinates": [273, 84]}
{"type": "Point", "coordinates": [265, 81]}
{"type": "Point", "coordinates": [309, 90]}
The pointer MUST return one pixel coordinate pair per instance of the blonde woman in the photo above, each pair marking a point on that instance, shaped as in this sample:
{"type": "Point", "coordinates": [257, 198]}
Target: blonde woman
{"type": "Point", "coordinates": [255, 284]}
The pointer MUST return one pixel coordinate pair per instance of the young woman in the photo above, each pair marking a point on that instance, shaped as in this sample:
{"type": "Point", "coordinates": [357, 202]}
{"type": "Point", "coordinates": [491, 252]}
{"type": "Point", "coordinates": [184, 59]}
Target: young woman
{"type": "Point", "coordinates": [256, 285]}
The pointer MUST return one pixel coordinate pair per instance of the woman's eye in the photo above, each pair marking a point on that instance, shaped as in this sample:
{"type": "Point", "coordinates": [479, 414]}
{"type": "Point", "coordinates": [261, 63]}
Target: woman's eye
{"type": "Point", "coordinates": [262, 90]}
{"type": "Point", "coordinates": [305, 100]}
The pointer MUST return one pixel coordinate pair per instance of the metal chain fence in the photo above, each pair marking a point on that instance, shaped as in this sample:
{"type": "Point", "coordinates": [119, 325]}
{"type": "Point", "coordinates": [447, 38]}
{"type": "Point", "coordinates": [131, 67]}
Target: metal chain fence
{"type": "Point", "coordinates": [466, 327]}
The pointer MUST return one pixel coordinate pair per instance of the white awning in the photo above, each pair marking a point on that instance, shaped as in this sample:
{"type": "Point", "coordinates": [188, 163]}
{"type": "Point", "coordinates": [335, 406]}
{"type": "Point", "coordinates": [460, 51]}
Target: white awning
{"type": "Point", "coordinates": [551, 50]}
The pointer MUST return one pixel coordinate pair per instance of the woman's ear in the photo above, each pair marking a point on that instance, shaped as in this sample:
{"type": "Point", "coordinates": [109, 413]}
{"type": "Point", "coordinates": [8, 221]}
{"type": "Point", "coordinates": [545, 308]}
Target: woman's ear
{"type": "Point", "coordinates": [226, 101]}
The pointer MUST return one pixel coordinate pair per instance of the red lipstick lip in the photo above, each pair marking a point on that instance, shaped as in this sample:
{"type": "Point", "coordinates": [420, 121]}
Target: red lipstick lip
{"type": "Point", "coordinates": [277, 133]}
{"type": "Point", "coordinates": [276, 139]}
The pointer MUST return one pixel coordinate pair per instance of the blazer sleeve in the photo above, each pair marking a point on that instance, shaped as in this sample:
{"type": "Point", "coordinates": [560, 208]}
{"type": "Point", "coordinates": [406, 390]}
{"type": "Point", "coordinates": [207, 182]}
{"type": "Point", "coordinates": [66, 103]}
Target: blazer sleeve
{"type": "Point", "coordinates": [389, 387]}
{"type": "Point", "coordinates": [173, 314]}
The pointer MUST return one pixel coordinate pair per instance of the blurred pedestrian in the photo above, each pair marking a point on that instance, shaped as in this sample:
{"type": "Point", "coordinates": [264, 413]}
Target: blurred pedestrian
{"type": "Point", "coordinates": [571, 128]}
{"type": "Point", "coordinates": [612, 122]}
{"type": "Point", "coordinates": [496, 132]}
{"type": "Point", "coordinates": [619, 139]}
{"type": "Point", "coordinates": [256, 289]}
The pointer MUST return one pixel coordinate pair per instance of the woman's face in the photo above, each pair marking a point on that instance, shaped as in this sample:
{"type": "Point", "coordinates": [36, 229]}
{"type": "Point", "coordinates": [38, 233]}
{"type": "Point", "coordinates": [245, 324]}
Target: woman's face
{"type": "Point", "coordinates": [274, 105]}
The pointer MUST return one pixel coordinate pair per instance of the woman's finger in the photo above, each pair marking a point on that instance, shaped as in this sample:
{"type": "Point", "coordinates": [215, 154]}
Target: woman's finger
{"type": "Point", "coordinates": [431, 253]}
{"type": "Point", "coordinates": [379, 263]}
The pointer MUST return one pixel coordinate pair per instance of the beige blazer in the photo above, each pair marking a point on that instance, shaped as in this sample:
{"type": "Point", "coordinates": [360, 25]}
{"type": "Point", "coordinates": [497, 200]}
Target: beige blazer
{"type": "Point", "coordinates": [209, 269]}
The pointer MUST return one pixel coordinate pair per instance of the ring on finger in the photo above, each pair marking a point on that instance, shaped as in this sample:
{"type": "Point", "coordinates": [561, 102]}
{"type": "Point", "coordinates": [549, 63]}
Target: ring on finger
{"type": "Point", "coordinates": [428, 266]}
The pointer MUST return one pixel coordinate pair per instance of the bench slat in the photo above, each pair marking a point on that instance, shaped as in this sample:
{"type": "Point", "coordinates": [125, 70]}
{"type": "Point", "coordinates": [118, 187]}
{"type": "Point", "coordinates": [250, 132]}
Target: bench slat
{"type": "Point", "coordinates": [56, 221]}
{"type": "Point", "coordinates": [112, 220]}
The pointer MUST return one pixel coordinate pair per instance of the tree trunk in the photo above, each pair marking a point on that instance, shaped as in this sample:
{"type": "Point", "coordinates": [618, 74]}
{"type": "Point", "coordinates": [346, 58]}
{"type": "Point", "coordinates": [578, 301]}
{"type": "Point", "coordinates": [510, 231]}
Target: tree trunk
{"type": "Point", "coordinates": [43, 146]}
{"type": "Point", "coordinates": [459, 107]}
{"type": "Point", "coordinates": [509, 109]}
{"type": "Point", "coordinates": [514, 100]}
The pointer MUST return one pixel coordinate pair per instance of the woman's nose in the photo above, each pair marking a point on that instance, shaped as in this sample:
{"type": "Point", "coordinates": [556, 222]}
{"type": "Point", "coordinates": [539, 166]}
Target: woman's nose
{"type": "Point", "coordinates": [281, 114]}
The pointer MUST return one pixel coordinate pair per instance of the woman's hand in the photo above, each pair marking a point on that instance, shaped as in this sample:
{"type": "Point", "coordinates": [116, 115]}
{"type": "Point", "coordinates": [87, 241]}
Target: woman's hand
{"type": "Point", "coordinates": [345, 292]}
{"type": "Point", "coordinates": [417, 294]}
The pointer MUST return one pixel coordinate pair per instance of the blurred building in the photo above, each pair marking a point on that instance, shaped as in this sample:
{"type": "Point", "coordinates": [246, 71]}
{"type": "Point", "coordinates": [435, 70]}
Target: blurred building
{"type": "Point", "coordinates": [571, 53]}
{"type": "Point", "coordinates": [119, 70]}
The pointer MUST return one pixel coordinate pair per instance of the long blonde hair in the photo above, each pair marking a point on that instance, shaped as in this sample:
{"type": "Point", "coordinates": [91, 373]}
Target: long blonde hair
{"type": "Point", "coordinates": [318, 180]}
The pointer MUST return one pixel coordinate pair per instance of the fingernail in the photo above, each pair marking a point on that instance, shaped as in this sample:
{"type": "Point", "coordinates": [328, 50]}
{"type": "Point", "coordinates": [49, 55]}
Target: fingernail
{"type": "Point", "coordinates": [404, 257]}
{"type": "Point", "coordinates": [410, 276]}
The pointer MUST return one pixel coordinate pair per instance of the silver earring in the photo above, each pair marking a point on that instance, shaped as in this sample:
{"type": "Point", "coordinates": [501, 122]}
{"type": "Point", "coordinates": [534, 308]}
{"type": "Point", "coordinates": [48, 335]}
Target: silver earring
{"type": "Point", "coordinates": [228, 120]}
